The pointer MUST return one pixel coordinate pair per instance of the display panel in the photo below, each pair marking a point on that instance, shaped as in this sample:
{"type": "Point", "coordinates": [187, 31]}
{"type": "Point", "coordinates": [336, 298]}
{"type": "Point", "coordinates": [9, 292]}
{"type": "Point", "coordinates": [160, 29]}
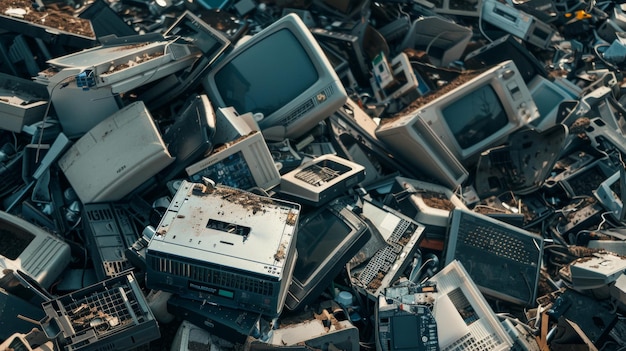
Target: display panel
{"type": "Point", "coordinates": [244, 81]}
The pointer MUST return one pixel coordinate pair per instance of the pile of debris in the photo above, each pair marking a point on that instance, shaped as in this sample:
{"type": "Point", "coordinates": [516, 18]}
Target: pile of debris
{"type": "Point", "coordinates": [312, 175]}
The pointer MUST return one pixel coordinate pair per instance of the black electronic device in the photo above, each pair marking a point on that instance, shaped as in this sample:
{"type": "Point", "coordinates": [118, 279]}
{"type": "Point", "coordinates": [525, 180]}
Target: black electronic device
{"type": "Point", "coordinates": [109, 231]}
{"type": "Point", "coordinates": [228, 323]}
{"type": "Point", "coordinates": [523, 164]}
{"type": "Point", "coordinates": [503, 260]}
{"type": "Point", "coordinates": [350, 47]}
{"type": "Point", "coordinates": [12, 308]}
{"type": "Point", "coordinates": [327, 240]}
{"type": "Point", "coordinates": [594, 317]}
{"type": "Point", "coordinates": [190, 137]}
{"type": "Point", "coordinates": [502, 49]}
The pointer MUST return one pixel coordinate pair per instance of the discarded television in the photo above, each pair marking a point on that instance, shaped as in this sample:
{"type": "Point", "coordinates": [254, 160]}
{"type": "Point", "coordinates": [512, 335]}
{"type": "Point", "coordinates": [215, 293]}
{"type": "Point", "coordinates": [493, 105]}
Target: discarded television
{"type": "Point", "coordinates": [310, 90]}
{"type": "Point", "coordinates": [445, 136]}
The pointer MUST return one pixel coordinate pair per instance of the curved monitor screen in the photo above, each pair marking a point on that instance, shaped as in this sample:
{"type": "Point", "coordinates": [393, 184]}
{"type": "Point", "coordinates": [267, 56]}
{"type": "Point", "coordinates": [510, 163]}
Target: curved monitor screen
{"type": "Point", "coordinates": [251, 84]}
{"type": "Point", "coordinates": [318, 238]}
{"type": "Point", "coordinates": [475, 117]}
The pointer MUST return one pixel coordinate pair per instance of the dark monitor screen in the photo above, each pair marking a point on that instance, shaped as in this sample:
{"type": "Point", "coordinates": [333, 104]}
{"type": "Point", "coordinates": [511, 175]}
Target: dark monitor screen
{"type": "Point", "coordinates": [475, 116]}
{"type": "Point", "coordinates": [245, 81]}
{"type": "Point", "coordinates": [14, 241]}
{"type": "Point", "coordinates": [406, 332]}
{"type": "Point", "coordinates": [318, 237]}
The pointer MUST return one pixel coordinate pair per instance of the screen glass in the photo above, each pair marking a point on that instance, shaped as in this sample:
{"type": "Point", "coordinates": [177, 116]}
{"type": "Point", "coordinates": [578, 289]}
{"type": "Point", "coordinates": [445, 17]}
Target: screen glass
{"type": "Point", "coordinates": [546, 99]}
{"type": "Point", "coordinates": [14, 241]}
{"type": "Point", "coordinates": [475, 116]}
{"type": "Point", "coordinates": [318, 237]}
{"type": "Point", "coordinates": [267, 75]}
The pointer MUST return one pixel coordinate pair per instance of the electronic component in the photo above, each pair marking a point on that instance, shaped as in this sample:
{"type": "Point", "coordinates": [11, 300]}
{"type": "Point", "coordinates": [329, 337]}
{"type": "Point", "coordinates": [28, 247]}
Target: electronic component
{"type": "Point", "coordinates": [109, 231]}
{"type": "Point", "coordinates": [458, 7]}
{"type": "Point", "coordinates": [191, 135]}
{"type": "Point", "coordinates": [35, 340]}
{"type": "Point", "coordinates": [464, 318]}
{"type": "Point", "coordinates": [427, 203]}
{"type": "Point", "coordinates": [14, 307]}
{"type": "Point", "coordinates": [596, 271]}
{"type": "Point", "coordinates": [225, 246]}
{"type": "Point", "coordinates": [350, 46]}
{"type": "Point", "coordinates": [322, 179]}
{"type": "Point", "coordinates": [610, 194]}
{"type": "Point", "coordinates": [32, 250]}
{"type": "Point", "coordinates": [233, 325]}
{"type": "Point", "coordinates": [355, 137]}
{"type": "Point", "coordinates": [22, 102]}
{"type": "Point", "coordinates": [323, 327]}
{"type": "Point", "coordinates": [381, 261]}
{"type": "Point", "coordinates": [517, 23]}
{"type": "Point", "coordinates": [232, 125]}
{"type": "Point", "coordinates": [152, 57]}
{"type": "Point", "coordinates": [595, 317]}
{"type": "Point", "coordinates": [548, 96]}
{"type": "Point", "coordinates": [112, 314]}
{"type": "Point", "coordinates": [522, 165]}
{"type": "Point", "coordinates": [327, 240]}
{"type": "Point", "coordinates": [92, 78]}
{"type": "Point", "coordinates": [503, 260]}
{"type": "Point", "coordinates": [405, 326]}
{"type": "Point", "coordinates": [442, 39]}
{"type": "Point", "coordinates": [500, 50]}
{"type": "Point", "coordinates": [403, 80]}
{"type": "Point", "coordinates": [305, 90]}
{"type": "Point", "coordinates": [116, 156]}
{"type": "Point", "coordinates": [210, 41]}
{"type": "Point", "coordinates": [244, 163]}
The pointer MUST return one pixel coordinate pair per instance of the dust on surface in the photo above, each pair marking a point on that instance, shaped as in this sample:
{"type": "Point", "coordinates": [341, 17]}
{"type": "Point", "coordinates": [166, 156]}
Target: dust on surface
{"type": "Point", "coordinates": [59, 17]}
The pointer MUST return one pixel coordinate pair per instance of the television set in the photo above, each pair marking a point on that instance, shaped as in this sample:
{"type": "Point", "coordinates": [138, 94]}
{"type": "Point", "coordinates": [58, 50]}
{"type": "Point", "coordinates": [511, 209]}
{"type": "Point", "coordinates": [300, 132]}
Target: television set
{"type": "Point", "coordinates": [284, 56]}
{"type": "Point", "coordinates": [445, 136]}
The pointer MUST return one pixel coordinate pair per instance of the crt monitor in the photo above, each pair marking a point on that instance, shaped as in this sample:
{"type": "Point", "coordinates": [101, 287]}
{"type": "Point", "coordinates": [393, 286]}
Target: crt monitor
{"type": "Point", "coordinates": [286, 57]}
{"type": "Point", "coordinates": [445, 136]}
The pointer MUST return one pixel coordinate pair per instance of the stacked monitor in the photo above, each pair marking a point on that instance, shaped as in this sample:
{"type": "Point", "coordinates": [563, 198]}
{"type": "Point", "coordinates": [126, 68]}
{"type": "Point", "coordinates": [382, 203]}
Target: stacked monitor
{"type": "Point", "coordinates": [444, 137]}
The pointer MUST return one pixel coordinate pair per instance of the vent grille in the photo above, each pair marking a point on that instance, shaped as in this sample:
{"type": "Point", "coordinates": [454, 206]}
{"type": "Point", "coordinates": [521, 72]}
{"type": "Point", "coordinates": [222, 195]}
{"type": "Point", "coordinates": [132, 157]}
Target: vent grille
{"type": "Point", "coordinates": [212, 276]}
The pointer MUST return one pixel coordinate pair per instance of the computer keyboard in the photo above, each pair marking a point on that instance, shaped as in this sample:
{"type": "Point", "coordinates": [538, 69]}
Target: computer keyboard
{"type": "Point", "coordinates": [502, 259]}
{"type": "Point", "coordinates": [385, 258]}
{"type": "Point", "coordinates": [478, 233]}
